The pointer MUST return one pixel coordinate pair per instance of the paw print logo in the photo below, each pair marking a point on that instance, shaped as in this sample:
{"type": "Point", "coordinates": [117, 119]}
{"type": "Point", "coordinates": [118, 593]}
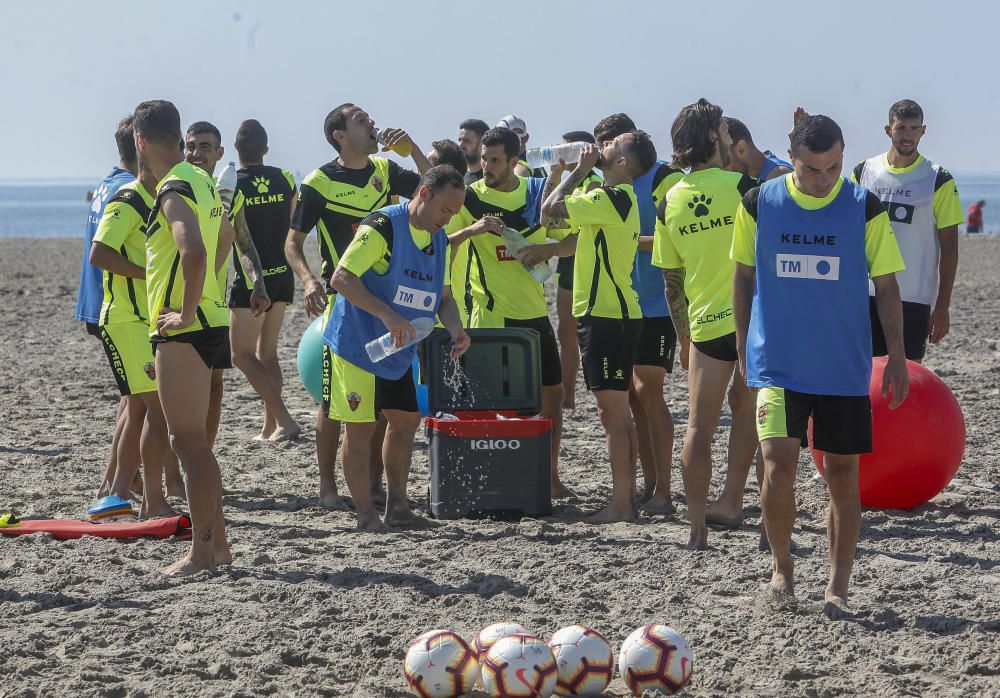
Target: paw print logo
{"type": "Point", "coordinates": [700, 204]}
{"type": "Point", "coordinates": [261, 184]}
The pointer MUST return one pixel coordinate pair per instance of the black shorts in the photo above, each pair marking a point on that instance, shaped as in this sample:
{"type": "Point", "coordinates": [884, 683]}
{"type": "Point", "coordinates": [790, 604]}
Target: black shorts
{"type": "Point", "coordinates": [657, 343]}
{"type": "Point", "coordinates": [93, 329]}
{"type": "Point", "coordinates": [607, 351]}
{"type": "Point", "coordinates": [212, 345]}
{"type": "Point", "coordinates": [280, 289]}
{"type": "Point", "coordinates": [916, 325]}
{"type": "Point", "coordinates": [841, 424]}
{"type": "Point", "coordinates": [721, 348]}
{"type": "Point", "coordinates": [564, 271]}
{"type": "Point", "coordinates": [551, 363]}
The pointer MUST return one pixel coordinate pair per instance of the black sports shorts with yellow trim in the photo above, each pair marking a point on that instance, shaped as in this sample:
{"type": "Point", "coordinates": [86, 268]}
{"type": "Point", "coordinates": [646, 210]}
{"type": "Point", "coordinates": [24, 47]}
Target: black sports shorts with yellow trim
{"type": "Point", "coordinates": [212, 345]}
{"type": "Point", "coordinates": [607, 351]}
{"type": "Point", "coordinates": [916, 327]}
{"type": "Point", "coordinates": [352, 394]}
{"type": "Point", "coordinates": [564, 272]}
{"type": "Point", "coordinates": [841, 424]}
{"type": "Point", "coordinates": [280, 289]}
{"type": "Point", "coordinates": [657, 343]}
{"type": "Point", "coordinates": [721, 348]}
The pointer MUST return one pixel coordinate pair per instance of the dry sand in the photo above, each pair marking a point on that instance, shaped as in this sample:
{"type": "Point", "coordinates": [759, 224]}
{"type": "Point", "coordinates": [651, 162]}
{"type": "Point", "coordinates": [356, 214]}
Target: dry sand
{"type": "Point", "coordinates": [310, 607]}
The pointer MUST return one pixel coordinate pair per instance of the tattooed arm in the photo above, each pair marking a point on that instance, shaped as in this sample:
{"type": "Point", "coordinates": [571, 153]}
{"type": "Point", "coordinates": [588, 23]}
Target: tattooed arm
{"type": "Point", "coordinates": [554, 213]}
{"type": "Point", "coordinates": [673, 282]}
{"type": "Point", "coordinates": [250, 261]}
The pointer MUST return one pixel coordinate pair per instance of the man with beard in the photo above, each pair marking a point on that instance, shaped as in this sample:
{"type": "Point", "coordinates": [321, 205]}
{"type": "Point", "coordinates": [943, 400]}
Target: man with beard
{"type": "Point", "coordinates": [748, 159]}
{"type": "Point", "coordinates": [693, 235]}
{"type": "Point", "coordinates": [470, 133]}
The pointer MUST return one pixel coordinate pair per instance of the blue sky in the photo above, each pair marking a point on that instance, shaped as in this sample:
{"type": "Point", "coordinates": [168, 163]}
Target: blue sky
{"type": "Point", "coordinates": [70, 70]}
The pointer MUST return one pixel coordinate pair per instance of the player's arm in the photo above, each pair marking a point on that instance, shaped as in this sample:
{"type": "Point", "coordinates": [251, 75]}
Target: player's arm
{"type": "Point", "coordinates": [350, 286]}
{"type": "Point", "coordinates": [522, 171]}
{"type": "Point", "coordinates": [452, 321]}
{"type": "Point", "coordinates": [744, 255]}
{"type": "Point", "coordinates": [948, 215]}
{"type": "Point", "coordinates": [307, 212]}
{"type": "Point", "coordinates": [778, 171]}
{"type": "Point", "coordinates": [194, 261]}
{"type": "Point", "coordinates": [554, 212]}
{"type": "Point", "coordinates": [250, 261]}
{"type": "Point", "coordinates": [536, 254]}
{"type": "Point", "coordinates": [464, 225]}
{"type": "Point", "coordinates": [396, 136]}
{"type": "Point", "coordinates": [110, 260]}
{"type": "Point", "coordinates": [111, 233]}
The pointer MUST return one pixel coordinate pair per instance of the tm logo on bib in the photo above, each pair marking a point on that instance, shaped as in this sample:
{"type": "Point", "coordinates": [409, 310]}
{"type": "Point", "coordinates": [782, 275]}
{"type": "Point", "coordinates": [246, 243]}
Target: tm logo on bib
{"type": "Point", "coordinates": [414, 298]}
{"type": "Point", "coordinates": [808, 266]}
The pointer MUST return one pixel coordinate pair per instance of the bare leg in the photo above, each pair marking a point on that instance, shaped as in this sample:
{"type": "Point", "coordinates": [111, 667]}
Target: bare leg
{"type": "Point", "coordinates": [646, 458]}
{"type": "Point", "coordinates": [728, 510]}
{"type": "Point", "coordinates": [128, 448]}
{"type": "Point", "coordinates": [377, 461]}
{"type": "Point", "coordinates": [109, 473]}
{"type": "Point", "coordinates": [172, 475]}
{"type": "Point", "coordinates": [327, 440]}
{"type": "Point", "coordinates": [612, 405]}
{"type": "Point", "coordinates": [552, 407]}
{"type": "Point", "coordinates": [185, 384]}
{"type": "Point", "coordinates": [155, 445]}
{"type": "Point", "coordinates": [356, 454]}
{"type": "Point", "coordinates": [781, 457]}
{"type": "Point", "coordinates": [267, 352]}
{"type": "Point", "coordinates": [843, 526]}
{"type": "Point", "coordinates": [214, 406]}
{"type": "Point", "coordinates": [708, 379]}
{"type": "Point", "coordinates": [569, 346]}
{"type": "Point", "coordinates": [659, 433]}
{"type": "Point", "coordinates": [397, 453]}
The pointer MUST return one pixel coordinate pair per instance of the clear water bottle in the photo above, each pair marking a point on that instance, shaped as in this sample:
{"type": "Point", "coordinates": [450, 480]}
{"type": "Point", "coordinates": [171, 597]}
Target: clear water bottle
{"type": "Point", "coordinates": [515, 244]}
{"type": "Point", "coordinates": [382, 347]}
{"type": "Point", "coordinates": [404, 149]}
{"type": "Point", "coordinates": [552, 154]}
{"type": "Point", "coordinates": [225, 183]}
{"type": "Point", "coordinates": [446, 417]}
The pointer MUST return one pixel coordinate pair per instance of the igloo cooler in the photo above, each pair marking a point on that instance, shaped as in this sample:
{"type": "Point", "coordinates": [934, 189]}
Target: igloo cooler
{"type": "Point", "coordinates": [495, 459]}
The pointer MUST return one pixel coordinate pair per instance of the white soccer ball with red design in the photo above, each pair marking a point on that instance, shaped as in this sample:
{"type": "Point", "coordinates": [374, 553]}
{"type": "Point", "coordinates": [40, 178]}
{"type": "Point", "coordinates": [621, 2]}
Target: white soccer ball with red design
{"type": "Point", "coordinates": [519, 666]}
{"type": "Point", "coordinates": [440, 664]}
{"type": "Point", "coordinates": [585, 661]}
{"type": "Point", "coordinates": [655, 658]}
{"type": "Point", "coordinates": [488, 636]}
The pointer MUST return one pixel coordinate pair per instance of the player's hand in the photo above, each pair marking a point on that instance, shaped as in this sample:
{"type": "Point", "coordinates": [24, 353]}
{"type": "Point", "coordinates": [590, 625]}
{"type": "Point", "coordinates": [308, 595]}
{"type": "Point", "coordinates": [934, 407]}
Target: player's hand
{"type": "Point", "coordinates": [487, 224]}
{"type": "Point", "coordinates": [315, 298]}
{"type": "Point", "coordinates": [798, 115]}
{"type": "Point", "coordinates": [589, 157]}
{"type": "Point", "coordinates": [685, 356]}
{"type": "Point", "coordinates": [460, 342]}
{"type": "Point", "coordinates": [897, 377]}
{"type": "Point", "coordinates": [260, 302]}
{"type": "Point", "coordinates": [169, 320]}
{"type": "Point", "coordinates": [400, 328]}
{"type": "Point", "coordinates": [939, 325]}
{"type": "Point", "coordinates": [533, 255]}
{"type": "Point", "coordinates": [395, 137]}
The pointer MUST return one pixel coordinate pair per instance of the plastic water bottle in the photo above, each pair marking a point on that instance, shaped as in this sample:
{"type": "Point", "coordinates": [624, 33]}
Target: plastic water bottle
{"type": "Point", "coordinates": [404, 149]}
{"type": "Point", "coordinates": [225, 183]}
{"type": "Point", "coordinates": [446, 417]}
{"type": "Point", "coordinates": [552, 154]}
{"type": "Point", "coordinates": [515, 244]}
{"type": "Point", "coordinates": [382, 347]}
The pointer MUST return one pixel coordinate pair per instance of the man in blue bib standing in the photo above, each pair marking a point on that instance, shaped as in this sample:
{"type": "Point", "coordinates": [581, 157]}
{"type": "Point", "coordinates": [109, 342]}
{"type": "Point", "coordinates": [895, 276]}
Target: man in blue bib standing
{"type": "Point", "coordinates": [394, 271]}
{"type": "Point", "coordinates": [804, 246]}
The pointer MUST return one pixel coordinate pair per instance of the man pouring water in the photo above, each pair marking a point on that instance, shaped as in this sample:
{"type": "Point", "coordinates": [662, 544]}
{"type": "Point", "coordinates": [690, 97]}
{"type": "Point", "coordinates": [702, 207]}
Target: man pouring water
{"type": "Point", "coordinates": [391, 280]}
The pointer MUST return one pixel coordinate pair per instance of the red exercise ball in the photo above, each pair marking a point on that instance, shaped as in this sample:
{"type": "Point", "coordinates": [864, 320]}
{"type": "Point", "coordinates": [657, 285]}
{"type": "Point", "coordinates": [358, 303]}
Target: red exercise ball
{"type": "Point", "coordinates": [916, 448]}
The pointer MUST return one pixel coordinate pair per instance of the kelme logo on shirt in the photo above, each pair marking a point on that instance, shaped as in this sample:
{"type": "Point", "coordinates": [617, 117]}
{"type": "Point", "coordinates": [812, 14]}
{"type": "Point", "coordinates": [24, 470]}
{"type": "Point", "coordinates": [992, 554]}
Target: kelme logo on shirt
{"type": "Point", "coordinates": [808, 266]}
{"type": "Point", "coordinates": [261, 183]}
{"type": "Point", "coordinates": [414, 298]}
{"type": "Point", "coordinates": [699, 204]}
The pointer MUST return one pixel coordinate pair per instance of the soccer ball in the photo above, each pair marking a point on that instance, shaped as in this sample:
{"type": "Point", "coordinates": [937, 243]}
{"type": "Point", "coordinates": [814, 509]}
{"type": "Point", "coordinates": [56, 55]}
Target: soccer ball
{"type": "Point", "coordinates": [584, 659]}
{"type": "Point", "coordinates": [488, 636]}
{"type": "Point", "coordinates": [655, 658]}
{"type": "Point", "coordinates": [519, 666]}
{"type": "Point", "coordinates": [440, 664]}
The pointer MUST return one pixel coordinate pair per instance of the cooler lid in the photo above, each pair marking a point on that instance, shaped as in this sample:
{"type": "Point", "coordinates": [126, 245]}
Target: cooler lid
{"type": "Point", "coordinates": [500, 371]}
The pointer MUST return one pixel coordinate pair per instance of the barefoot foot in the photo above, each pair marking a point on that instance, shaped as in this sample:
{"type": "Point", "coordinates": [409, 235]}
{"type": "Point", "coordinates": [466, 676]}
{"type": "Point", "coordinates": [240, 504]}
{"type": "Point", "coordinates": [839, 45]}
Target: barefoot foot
{"type": "Point", "coordinates": [185, 567]}
{"type": "Point", "coordinates": [716, 515]}
{"type": "Point", "coordinates": [612, 514]}
{"type": "Point", "coordinates": [289, 433]}
{"type": "Point", "coordinates": [333, 501]}
{"type": "Point", "coordinates": [698, 539]}
{"type": "Point", "coordinates": [561, 491]}
{"type": "Point", "coordinates": [659, 504]}
{"type": "Point", "coordinates": [835, 606]}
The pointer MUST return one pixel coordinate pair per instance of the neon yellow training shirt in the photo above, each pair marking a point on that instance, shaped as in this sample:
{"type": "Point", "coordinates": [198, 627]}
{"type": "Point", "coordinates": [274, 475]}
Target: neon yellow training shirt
{"type": "Point", "coordinates": [123, 229]}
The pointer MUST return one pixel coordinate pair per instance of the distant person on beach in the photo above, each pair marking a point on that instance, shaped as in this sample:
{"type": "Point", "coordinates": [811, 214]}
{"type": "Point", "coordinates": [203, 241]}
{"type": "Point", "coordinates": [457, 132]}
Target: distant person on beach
{"type": "Point", "coordinates": [394, 271]}
{"type": "Point", "coordinates": [90, 295]}
{"type": "Point", "coordinates": [693, 234]}
{"type": "Point", "coordinates": [974, 221]}
{"type": "Point", "coordinates": [841, 237]}
{"type": "Point", "coordinates": [925, 211]}
{"type": "Point", "coordinates": [262, 206]}
{"type": "Point", "coordinates": [749, 159]}
{"type": "Point", "coordinates": [187, 242]}
{"type": "Point", "coordinates": [334, 199]}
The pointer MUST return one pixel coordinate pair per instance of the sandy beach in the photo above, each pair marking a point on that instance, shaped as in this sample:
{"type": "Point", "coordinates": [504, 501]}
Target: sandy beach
{"type": "Point", "coordinates": [310, 607]}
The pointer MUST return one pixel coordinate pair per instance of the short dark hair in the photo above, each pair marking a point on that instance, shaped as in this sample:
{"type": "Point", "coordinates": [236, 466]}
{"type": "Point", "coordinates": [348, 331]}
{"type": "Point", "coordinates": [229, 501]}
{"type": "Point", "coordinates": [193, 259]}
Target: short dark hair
{"type": "Point", "coordinates": [158, 121]}
{"type": "Point", "coordinates": [206, 127]}
{"type": "Point", "coordinates": [505, 137]}
{"type": "Point", "coordinates": [336, 121]}
{"type": "Point", "coordinates": [738, 130]}
{"type": "Point", "coordinates": [477, 126]}
{"type": "Point", "coordinates": [441, 176]}
{"type": "Point", "coordinates": [125, 139]}
{"type": "Point", "coordinates": [818, 133]}
{"type": "Point", "coordinates": [610, 127]}
{"type": "Point", "coordinates": [690, 133]}
{"type": "Point", "coordinates": [251, 141]}
{"type": "Point", "coordinates": [447, 152]}
{"type": "Point", "coordinates": [577, 136]}
{"type": "Point", "coordinates": [906, 109]}
{"type": "Point", "coordinates": [641, 153]}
